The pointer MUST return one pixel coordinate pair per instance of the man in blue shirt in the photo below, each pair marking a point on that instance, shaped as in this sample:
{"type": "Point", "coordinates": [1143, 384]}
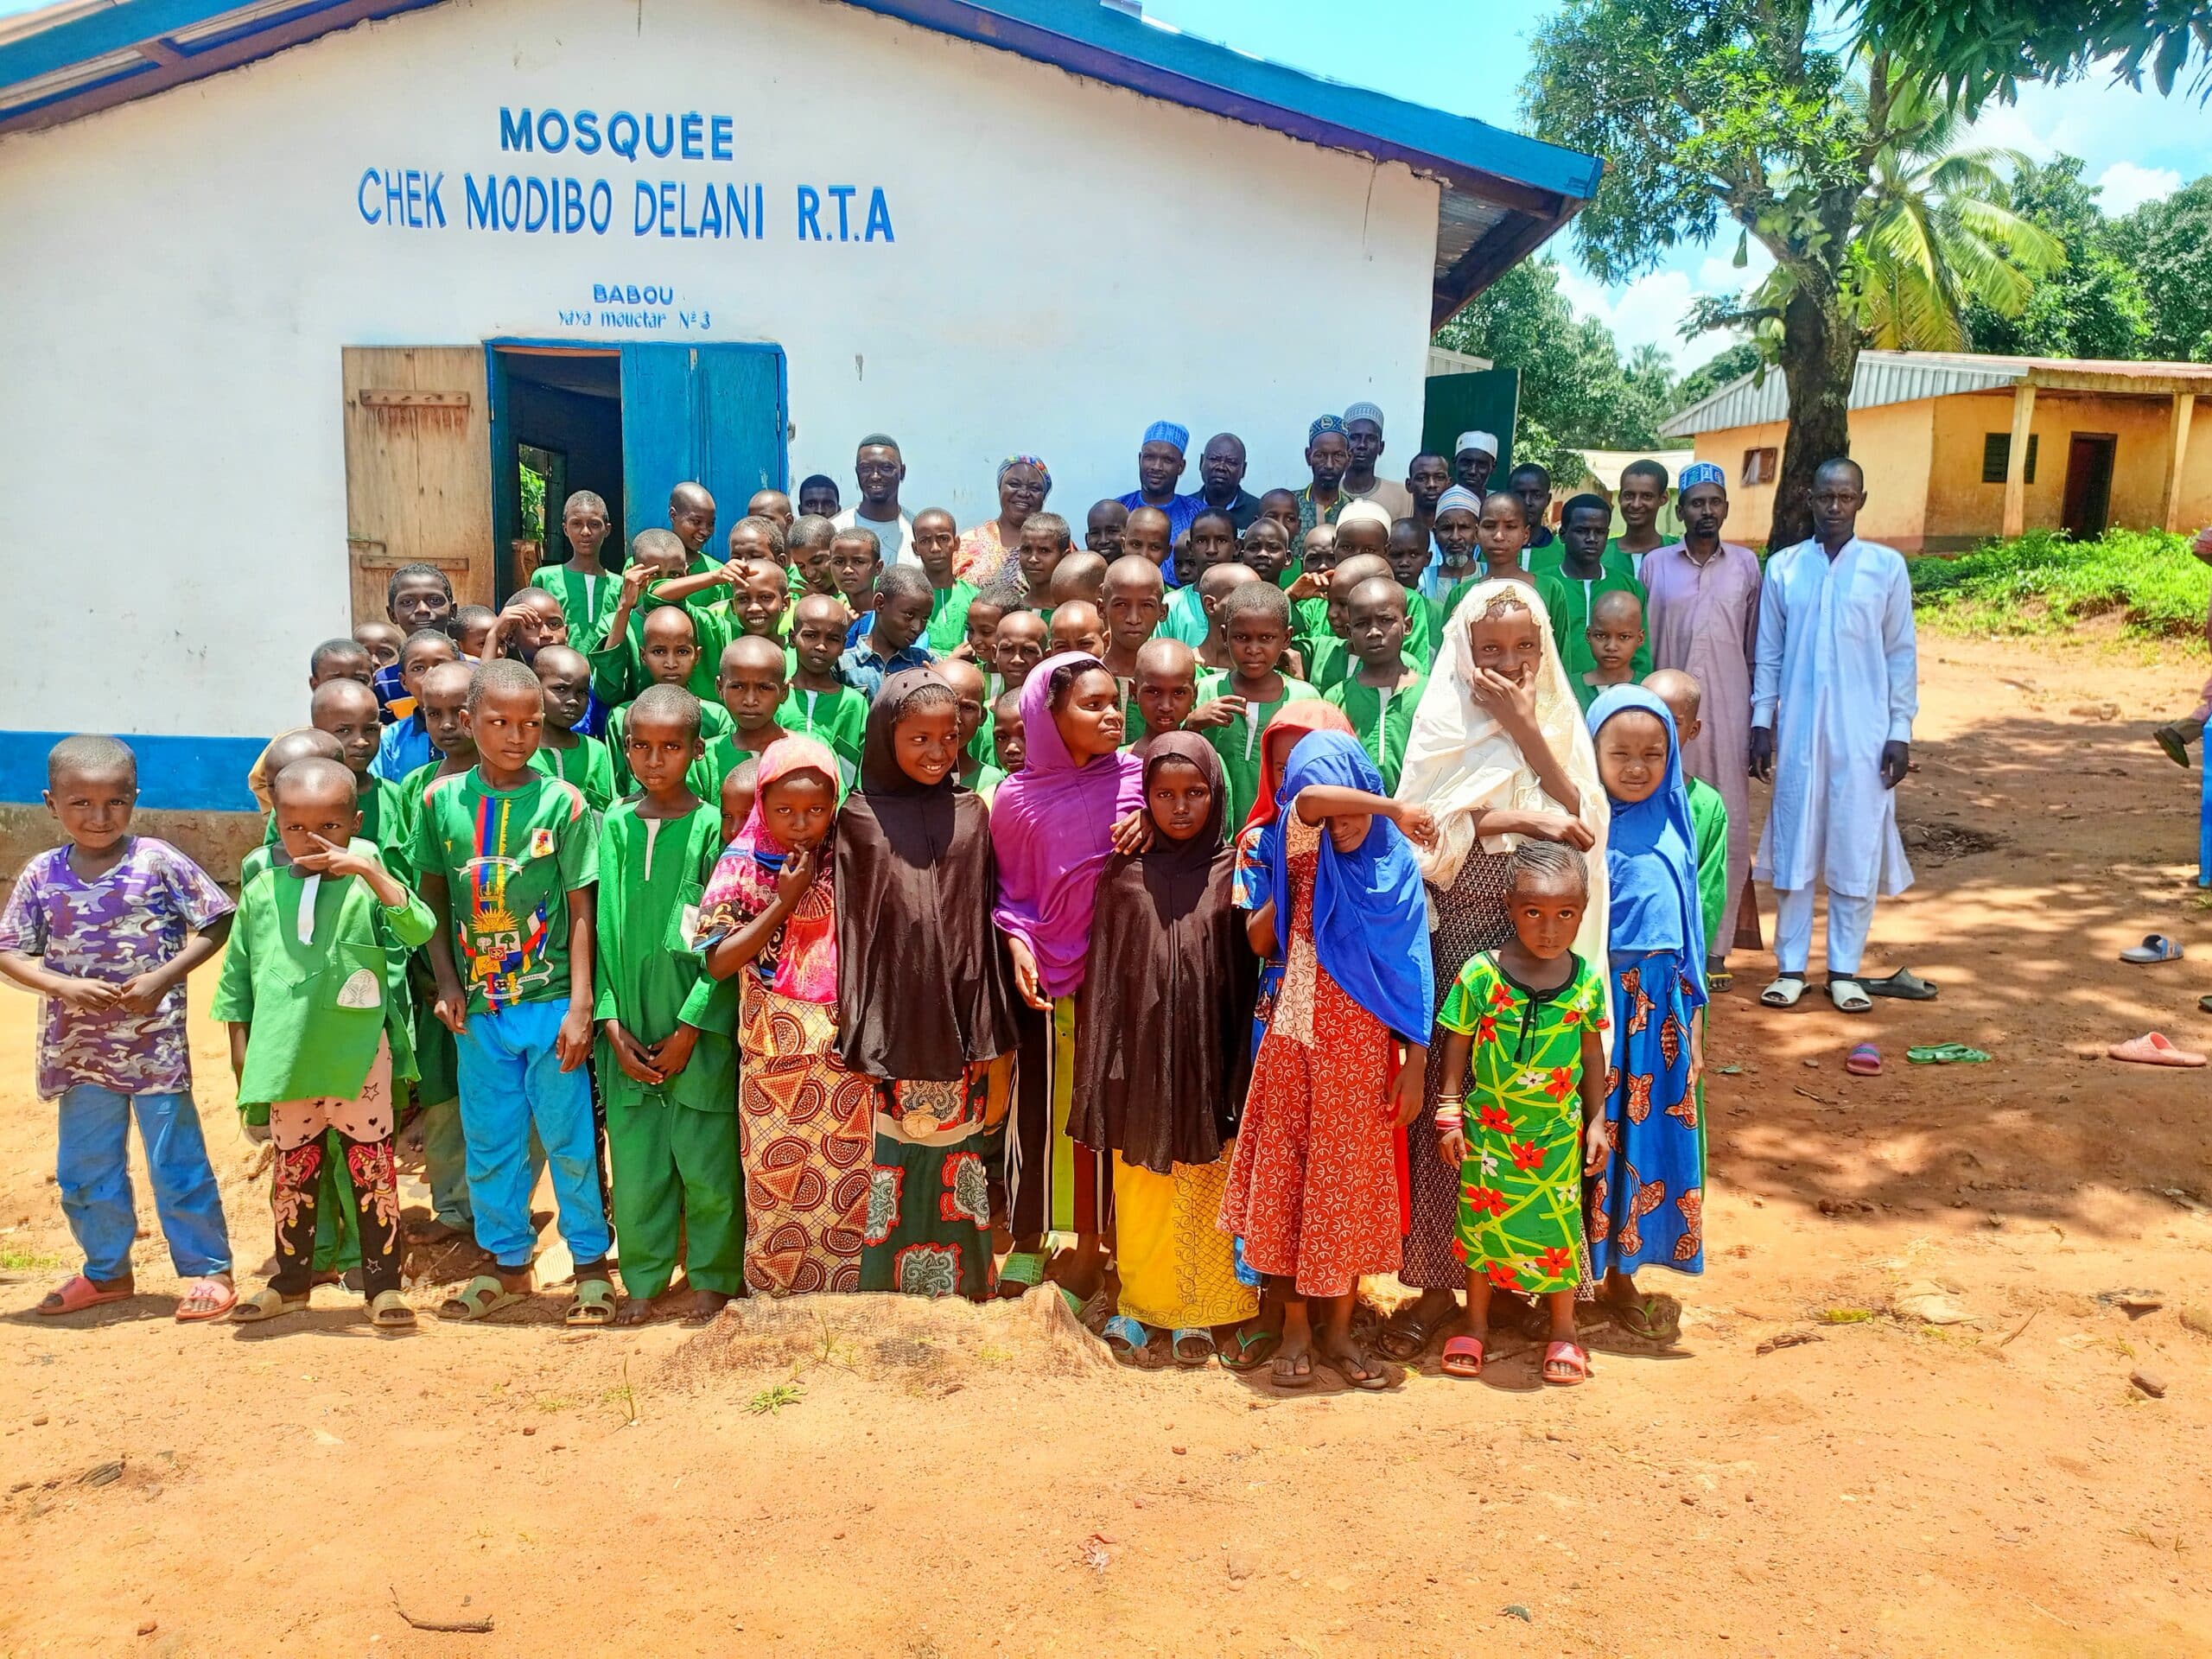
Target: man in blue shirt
{"type": "Point", "coordinates": [892, 642]}
{"type": "Point", "coordinates": [1160, 465]}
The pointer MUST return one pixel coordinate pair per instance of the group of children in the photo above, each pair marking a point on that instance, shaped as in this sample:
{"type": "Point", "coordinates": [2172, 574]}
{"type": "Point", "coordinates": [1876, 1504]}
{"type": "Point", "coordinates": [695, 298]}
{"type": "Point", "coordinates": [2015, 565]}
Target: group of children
{"type": "Point", "coordinates": [864, 911]}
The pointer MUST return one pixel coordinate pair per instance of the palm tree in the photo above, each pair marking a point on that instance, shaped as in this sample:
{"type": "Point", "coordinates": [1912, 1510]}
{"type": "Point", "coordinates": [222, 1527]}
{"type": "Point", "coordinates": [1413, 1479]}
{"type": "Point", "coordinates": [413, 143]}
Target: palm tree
{"type": "Point", "coordinates": [1933, 234]}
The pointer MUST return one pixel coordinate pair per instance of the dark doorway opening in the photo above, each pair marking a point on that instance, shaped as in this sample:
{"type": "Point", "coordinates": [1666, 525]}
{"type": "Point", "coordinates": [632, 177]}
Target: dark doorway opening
{"type": "Point", "coordinates": [557, 429]}
{"type": "Point", "coordinates": [2088, 506]}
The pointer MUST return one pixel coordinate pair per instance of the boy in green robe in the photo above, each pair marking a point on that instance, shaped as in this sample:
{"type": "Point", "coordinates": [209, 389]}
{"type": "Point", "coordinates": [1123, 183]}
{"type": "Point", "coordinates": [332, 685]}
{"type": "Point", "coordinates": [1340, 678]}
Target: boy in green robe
{"type": "Point", "coordinates": [566, 753]}
{"type": "Point", "coordinates": [1309, 597]}
{"type": "Point", "coordinates": [936, 540]}
{"type": "Point", "coordinates": [1502, 536]}
{"type": "Point", "coordinates": [621, 667]}
{"type": "Point", "coordinates": [670, 655]}
{"type": "Point", "coordinates": [666, 1068]}
{"type": "Point", "coordinates": [1612, 641]}
{"type": "Point", "coordinates": [1163, 691]}
{"type": "Point", "coordinates": [1586, 570]}
{"type": "Point", "coordinates": [1324, 650]}
{"type": "Point", "coordinates": [1212, 542]}
{"type": "Point", "coordinates": [1380, 696]}
{"type": "Point", "coordinates": [817, 705]}
{"type": "Point", "coordinates": [1236, 707]}
{"type": "Point", "coordinates": [314, 989]}
{"type": "Point", "coordinates": [346, 711]}
{"type": "Point", "coordinates": [1266, 552]}
{"type": "Point", "coordinates": [971, 696]}
{"type": "Point", "coordinates": [752, 685]}
{"type": "Point", "coordinates": [583, 587]}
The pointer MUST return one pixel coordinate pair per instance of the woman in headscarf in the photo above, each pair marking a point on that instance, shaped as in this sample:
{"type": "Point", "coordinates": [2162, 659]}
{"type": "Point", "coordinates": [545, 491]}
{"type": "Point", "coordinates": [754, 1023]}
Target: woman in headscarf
{"type": "Point", "coordinates": [924, 1007]}
{"type": "Point", "coordinates": [1314, 1185]}
{"type": "Point", "coordinates": [988, 549]}
{"type": "Point", "coordinates": [1164, 1055]}
{"type": "Point", "coordinates": [1648, 1204]}
{"type": "Point", "coordinates": [1497, 752]}
{"type": "Point", "coordinates": [770, 914]}
{"type": "Point", "coordinates": [1053, 827]}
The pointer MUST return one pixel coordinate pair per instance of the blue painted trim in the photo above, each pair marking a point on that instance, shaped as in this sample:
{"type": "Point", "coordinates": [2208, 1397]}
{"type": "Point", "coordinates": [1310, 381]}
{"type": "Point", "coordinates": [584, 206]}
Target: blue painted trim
{"type": "Point", "coordinates": [191, 774]}
{"type": "Point", "coordinates": [1086, 39]}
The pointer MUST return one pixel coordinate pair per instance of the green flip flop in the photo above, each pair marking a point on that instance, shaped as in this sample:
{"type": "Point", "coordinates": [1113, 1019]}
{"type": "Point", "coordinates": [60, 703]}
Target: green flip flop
{"type": "Point", "coordinates": [1254, 1350]}
{"type": "Point", "coordinates": [1022, 1273]}
{"type": "Point", "coordinates": [481, 1297]}
{"type": "Point", "coordinates": [594, 1304]}
{"type": "Point", "coordinates": [1946, 1054]}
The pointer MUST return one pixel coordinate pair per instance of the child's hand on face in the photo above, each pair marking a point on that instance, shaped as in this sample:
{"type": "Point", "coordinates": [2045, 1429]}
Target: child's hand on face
{"type": "Point", "coordinates": [1217, 711]}
{"type": "Point", "coordinates": [1597, 1146]}
{"type": "Point", "coordinates": [1132, 835]}
{"type": "Point", "coordinates": [635, 1059]}
{"type": "Point", "coordinates": [333, 859]}
{"type": "Point", "coordinates": [1513, 703]}
{"type": "Point", "coordinates": [797, 876]}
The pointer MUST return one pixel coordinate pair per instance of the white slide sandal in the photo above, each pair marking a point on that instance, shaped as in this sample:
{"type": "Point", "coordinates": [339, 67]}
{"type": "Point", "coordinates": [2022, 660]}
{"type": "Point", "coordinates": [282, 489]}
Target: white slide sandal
{"type": "Point", "coordinates": [1783, 994]}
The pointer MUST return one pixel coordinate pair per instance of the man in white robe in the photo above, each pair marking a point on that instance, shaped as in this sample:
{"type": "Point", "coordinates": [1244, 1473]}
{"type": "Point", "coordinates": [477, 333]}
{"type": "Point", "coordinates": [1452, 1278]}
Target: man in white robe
{"type": "Point", "coordinates": [1833, 691]}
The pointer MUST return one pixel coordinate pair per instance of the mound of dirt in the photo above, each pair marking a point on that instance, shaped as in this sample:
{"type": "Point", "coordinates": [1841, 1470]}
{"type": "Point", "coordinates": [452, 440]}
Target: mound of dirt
{"type": "Point", "coordinates": [912, 1342]}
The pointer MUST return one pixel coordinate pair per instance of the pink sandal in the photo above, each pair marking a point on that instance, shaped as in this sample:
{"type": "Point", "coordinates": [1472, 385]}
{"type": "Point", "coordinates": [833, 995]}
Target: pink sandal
{"type": "Point", "coordinates": [225, 1297]}
{"type": "Point", "coordinates": [76, 1294]}
{"type": "Point", "coordinates": [2153, 1048]}
{"type": "Point", "coordinates": [1571, 1355]}
{"type": "Point", "coordinates": [1462, 1358]}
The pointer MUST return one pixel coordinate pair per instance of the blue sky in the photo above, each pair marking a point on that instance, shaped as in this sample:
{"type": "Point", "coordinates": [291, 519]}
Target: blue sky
{"type": "Point", "coordinates": [1469, 56]}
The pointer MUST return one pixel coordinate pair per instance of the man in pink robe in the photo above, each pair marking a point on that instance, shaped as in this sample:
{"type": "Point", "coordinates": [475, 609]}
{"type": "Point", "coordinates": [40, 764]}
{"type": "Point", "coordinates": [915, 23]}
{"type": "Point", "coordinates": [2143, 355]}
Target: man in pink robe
{"type": "Point", "coordinates": [1703, 616]}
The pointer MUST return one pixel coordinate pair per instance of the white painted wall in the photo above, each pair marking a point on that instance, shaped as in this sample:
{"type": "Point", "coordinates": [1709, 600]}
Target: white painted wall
{"type": "Point", "coordinates": [1072, 262]}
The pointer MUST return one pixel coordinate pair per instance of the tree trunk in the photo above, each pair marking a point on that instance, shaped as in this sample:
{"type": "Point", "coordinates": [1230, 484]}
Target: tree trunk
{"type": "Point", "coordinates": [1819, 354]}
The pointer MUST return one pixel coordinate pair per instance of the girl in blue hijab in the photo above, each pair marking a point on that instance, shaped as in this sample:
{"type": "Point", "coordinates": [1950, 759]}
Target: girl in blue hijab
{"type": "Point", "coordinates": [1314, 1184]}
{"type": "Point", "coordinates": [1647, 1204]}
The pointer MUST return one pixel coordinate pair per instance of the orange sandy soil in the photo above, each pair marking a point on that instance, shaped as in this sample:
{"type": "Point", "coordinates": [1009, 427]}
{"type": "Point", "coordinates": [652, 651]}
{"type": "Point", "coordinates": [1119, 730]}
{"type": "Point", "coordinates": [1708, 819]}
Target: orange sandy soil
{"type": "Point", "coordinates": [949, 1482]}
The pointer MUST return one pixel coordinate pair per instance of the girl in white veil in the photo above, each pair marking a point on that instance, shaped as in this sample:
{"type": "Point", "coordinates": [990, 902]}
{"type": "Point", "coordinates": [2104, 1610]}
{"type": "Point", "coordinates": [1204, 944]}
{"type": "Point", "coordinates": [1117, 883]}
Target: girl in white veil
{"type": "Point", "coordinates": [1497, 752]}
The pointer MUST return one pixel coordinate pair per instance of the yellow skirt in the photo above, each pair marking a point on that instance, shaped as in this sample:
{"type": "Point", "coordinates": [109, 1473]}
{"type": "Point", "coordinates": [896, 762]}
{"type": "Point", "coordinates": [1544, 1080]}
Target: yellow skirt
{"type": "Point", "coordinates": [1179, 1269]}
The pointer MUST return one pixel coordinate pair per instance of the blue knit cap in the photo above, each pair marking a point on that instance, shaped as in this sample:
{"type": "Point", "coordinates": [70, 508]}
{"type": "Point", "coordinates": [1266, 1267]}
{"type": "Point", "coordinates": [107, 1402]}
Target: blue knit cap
{"type": "Point", "coordinates": [1168, 432]}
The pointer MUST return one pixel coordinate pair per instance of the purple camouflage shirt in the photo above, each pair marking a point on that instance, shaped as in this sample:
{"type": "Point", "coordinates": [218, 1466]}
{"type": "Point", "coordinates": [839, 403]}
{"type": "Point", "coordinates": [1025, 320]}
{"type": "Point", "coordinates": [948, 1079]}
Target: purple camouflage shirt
{"type": "Point", "coordinates": [135, 918]}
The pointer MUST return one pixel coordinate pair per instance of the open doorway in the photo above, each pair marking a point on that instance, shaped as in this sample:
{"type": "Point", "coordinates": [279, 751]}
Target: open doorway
{"type": "Point", "coordinates": [2087, 507]}
{"type": "Point", "coordinates": [557, 429]}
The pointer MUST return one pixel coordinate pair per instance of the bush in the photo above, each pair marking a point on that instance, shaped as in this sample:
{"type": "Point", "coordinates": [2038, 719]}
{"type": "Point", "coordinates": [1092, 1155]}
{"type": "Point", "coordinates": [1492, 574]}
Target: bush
{"type": "Point", "coordinates": [2042, 581]}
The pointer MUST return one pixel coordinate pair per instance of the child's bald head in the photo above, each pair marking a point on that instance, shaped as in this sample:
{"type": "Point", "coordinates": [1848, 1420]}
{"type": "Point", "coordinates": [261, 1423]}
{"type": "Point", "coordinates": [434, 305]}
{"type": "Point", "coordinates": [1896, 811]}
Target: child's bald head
{"type": "Point", "coordinates": [313, 779]}
{"type": "Point", "coordinates": [1683, 696]}
{"type": "Point", "coordinates": [1166, 687]}
{"type": "Point", "coordinates": [737, 794]}
{"type": "Point", "coordinates": [1077, 626]}
{"type": "Point", "coordinates": [306, 744]}
{"type": "Point", "coordinates": [346, 710]}
{"type": "Point", "coordinates": [565, 674]}
{"type": "Point", "coordinates": [1079, 575]}
{"type": "Point", "coordinates": [668, 645]}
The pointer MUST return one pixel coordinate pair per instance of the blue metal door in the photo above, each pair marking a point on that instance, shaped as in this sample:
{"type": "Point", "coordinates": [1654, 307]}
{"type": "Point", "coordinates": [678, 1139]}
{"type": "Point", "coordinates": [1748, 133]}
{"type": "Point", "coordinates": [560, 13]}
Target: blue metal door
{"type": "Point", "coordinates": [712, 414]}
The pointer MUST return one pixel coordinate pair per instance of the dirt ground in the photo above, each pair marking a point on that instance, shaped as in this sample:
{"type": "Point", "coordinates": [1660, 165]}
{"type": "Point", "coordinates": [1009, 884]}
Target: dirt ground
{"type": "Point", "coordinates": [864, 1476]}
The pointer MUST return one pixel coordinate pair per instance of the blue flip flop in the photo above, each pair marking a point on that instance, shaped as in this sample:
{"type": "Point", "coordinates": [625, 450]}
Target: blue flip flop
{"type": "Point", "coordinates": [2156, 947]}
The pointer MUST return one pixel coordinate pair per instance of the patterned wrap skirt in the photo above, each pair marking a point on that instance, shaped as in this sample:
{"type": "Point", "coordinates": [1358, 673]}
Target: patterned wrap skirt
{"type": "Point", "coordinates": [929, 1203]}
{"type": "Point", "coordinates": [1178, 1267]}
{"type": "Point", "coordinates": [805, 1129]}
{"type": "Point", "coordinates": [1646, 1208]}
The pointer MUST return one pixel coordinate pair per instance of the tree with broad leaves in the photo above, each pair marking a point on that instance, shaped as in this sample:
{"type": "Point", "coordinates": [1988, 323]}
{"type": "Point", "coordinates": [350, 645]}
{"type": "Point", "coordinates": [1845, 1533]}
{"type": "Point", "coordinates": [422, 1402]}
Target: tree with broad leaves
{"type": "Point", "coordinates": [1713, 110]}
{"type": "Point", "coordinates": [1980, 49]}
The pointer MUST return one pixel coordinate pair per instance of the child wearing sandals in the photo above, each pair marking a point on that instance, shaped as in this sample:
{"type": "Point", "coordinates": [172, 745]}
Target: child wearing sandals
{"type": "Point", "coordinates": [314, 988]}
{"type": "Point", "coordinates": [1530, 1017]}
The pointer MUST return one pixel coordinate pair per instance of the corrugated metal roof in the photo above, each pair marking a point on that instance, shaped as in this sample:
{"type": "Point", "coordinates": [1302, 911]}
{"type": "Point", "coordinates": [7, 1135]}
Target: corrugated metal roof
{"type": "Point", "coordinates": [1503, 193]}
{"type": "Point", "coordinates": [1904, 376]}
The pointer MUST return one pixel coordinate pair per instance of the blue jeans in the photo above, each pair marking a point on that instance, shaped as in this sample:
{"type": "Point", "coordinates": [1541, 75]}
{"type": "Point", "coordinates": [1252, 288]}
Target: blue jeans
{"type": "Point", "coordinates": [445, 1164]}
{"type": "Point", "coordinates": [511, 1082]}
{"type": "Point", "coordinates": [93, 1170]}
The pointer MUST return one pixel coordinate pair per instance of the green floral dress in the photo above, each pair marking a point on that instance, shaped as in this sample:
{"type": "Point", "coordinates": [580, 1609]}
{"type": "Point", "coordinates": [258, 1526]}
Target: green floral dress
{"type": "Point", "coordinates": [1521, 1188]}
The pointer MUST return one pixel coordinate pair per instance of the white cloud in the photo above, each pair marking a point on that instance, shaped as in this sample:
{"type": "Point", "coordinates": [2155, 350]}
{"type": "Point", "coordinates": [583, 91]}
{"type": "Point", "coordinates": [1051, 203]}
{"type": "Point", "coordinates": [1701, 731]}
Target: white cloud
{"type": "Point", "coordinates": [1651, 309]}
{"type": "Point", "coordinates": [2127, 187]}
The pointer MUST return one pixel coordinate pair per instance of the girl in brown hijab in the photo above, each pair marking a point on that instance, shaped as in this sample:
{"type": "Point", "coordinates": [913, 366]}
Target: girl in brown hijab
{"type": "Point", "coordinates": [924, 1007]}
{"type": "Point", "coordinates": [1163, 1055]}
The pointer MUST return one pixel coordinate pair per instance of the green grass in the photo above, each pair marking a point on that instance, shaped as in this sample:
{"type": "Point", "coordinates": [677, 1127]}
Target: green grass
{"type": "Point", "coordinates": [769, 1402]}
{"type": "Point", "coordinates": [2042, 583]}
{"type": "Point", "coordinates": [14, 1258]}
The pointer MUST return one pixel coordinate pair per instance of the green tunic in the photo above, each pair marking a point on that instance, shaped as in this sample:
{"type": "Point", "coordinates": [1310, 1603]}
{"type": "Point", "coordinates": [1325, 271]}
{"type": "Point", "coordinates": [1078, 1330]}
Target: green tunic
{"type": "Point", "coordinates": [1548, 588]}
{"type": "Point", "coordinates": [1186, 619]}
{"type": "Point", "coordinates": [673, 1145]}
{"type": "Point", "coordinates": [1238, 743]}
{"type": "Point", "coordinates": [617, 671]}
{"type": "Point", "coordinates": [1571, 617]}
{"type": "Point", "coordinates": [948, 629]}
{"type": "Point", "coordinates": [587, 603]}
{"type": "Point", "coordinates": [1382, 719]}
{"type": "Point", "coordinates": [511, 858]}
{"type": "Point", "coordinates": [1520, 1187]}
{"type": "Point", "coordinates": [587, 765]}
{"type": "Point", "coordinates": [1709, 820]}
{"type": "Point", "coordinates": [714, 722]}
{"type": "Point", "coordinates": [384, 821]}
{"type": "Point", "coordinates": [315, 1010]}
{"type": "Point", "coordinates": [837, 718]}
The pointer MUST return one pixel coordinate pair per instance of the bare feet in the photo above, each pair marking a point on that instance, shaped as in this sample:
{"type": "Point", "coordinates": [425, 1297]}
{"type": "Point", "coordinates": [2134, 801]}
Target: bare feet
{"type": "Point", "coordinates": [705, 1305]}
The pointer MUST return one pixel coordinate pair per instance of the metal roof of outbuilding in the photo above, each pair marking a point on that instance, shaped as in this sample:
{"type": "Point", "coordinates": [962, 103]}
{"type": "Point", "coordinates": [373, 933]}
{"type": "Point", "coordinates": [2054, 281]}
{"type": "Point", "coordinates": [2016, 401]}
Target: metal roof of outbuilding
{"type": "Point", "coordinates": [1503, 193]}
{"type": "Point", "coordinates": [1904, 376]}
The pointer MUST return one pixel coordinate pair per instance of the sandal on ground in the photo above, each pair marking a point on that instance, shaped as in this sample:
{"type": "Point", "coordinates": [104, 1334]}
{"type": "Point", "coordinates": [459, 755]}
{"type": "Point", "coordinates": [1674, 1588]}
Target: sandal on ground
{"type": "Point", "coordinates": [204, 1300]}
{"type": "Point", "coordinates": [2156, 947]}
{"type": "Point", "coordinates": [1565, 1364]}
{"type": "Point", "coordinates": [1128, 1340]}
{"type": "Point", "coordinates": [1191, 1346]}
{"type": "Point", "coordinates": [1649, 1318]}
{"type": "Point", "coordinates": [2153, 1048]}
{"type": "Point", "coordinates": [1946, 1054]}
{"type": "Point", "coordinates": [1905, 985]}
{"type": "Point", "coordinates": [594, 1305]}
{"type": "Point", "coordinates": [76, 1294]}
{"type": "Point", "coordinates": [1352, 1371]}
{"type": "Point", "coordinates": [1783, 993]}
{"type": "Point", "coordinates": [1285, 1374]}
{"type": "Point", "coordinates": [388, 1311]}
{"type": "Point", "coordinates": [1404, 1336]}
{"type": "Point", "coordinates": [480, 1298]}
{"type": "Point", "coordinates": [1863, 1061]}
{"type": "Point", "coordinates": [1848, 995]}
{"type": "Point", "coordinates": [1023, 1272]}
{"type": "Point", "coordinates": [1718, 980]}
{"type": "Point", "coordinates": [267, 1303]}
{"type": "Point", "coordinates": [1254, 1349]}
{"type": "Point", "coordinates": [1462, 1357]}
